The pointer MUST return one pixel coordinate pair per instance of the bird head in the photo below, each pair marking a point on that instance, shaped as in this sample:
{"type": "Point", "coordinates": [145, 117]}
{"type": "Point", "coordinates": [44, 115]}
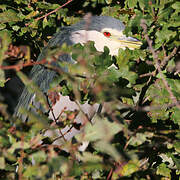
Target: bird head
{"type": "Point", "coordinates": [104, 31]}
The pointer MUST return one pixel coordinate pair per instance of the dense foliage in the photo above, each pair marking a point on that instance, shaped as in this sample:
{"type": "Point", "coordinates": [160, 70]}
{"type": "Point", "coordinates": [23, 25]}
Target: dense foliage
{"type": "Point", "coordinates": [136, 136]}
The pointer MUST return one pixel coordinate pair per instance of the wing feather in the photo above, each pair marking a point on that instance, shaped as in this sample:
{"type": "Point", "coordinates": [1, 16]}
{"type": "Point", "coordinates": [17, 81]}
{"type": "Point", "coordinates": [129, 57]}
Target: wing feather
{"type": "Point", "coordinates": [40, 74]}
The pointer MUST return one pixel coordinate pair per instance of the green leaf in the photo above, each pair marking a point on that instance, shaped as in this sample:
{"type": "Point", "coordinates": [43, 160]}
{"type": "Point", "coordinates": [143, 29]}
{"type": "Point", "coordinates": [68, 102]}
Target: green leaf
{"type": "Point", "coordinates": [176, 160]}
{"type": "Point", "coordinates": [176, 5]}
{"type": "Point", "coordinates": [106, 147]}
{"type": "Point", "coordinates": [2, 78]}
{"type": "Point", "coordinates": [89, 157]}
{"type": "Point", "coordinates": [140, 138]}
{"type": "Point", "coordinates": [129, 168]}
{"type": "Point", "coordinates": [24, 29]}
{"type": "Point", "coordinates": [2, 163]}
{"type": "Point", "coordinates": [39, 157]}
{"type": "Point", "coordinates": [168, 160]}
{"type": "Point", "coordinates": [163, 170]}
{"type": "Point", "coordinates": [15, 28]}
{"type": "Point", "coordinates": [45, 22]}
{"type": "Point", "coordinates": [108, 1]}
{"type": "Point", "coordinates": [175, 115]}
{"type": "Point", "coordinates": [18, 145]}
{"type": "Point", "coordinates": [144, 4]}
{"type": "Point", "coordinates": [31, 171]}
{"type": "Point", "coordinates": [124, 69]}
{"type": "Point", "coordinates": [112, 75]}
{"type": "Point", "coordinates": [131, 4]}
{"type": "Point", "coordinates": [58, 163]}
{"type": "Point", "coordinates": [102, 129]}
{"type": "Point", "coordinates": [89, 167]}
{"type": "Point", "coordinates": [159, 97]}
{"type": "Point", "coordinates": [5, 40]}
{"type": "Point", "coordinates": [101, 132]}
{"type": "Point", "coordinates": [177, 146]}
{"type": "Point", "coordinates": [2, 26]}
{"type": "Point", "coordinates": [9, 16]}
{"type": "Point", "coordinates": [175, 87]}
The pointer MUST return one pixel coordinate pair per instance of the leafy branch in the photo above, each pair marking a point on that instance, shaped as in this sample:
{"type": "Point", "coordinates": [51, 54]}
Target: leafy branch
{"type": "Point", "coordinates": [158, 65]}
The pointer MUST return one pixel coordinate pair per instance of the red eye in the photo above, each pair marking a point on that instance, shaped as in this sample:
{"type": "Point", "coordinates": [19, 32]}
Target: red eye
{"type": "Point", "coordinates": [107, 34]}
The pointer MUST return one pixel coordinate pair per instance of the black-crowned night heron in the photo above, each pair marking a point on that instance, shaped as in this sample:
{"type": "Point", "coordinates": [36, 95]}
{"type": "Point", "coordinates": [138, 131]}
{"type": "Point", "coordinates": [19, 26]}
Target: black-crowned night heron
{"type": "Point", "coordinates": [104, 31]}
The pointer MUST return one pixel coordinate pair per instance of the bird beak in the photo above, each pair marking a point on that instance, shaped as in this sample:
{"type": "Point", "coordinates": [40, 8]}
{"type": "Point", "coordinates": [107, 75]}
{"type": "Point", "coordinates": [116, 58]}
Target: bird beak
{"type": "Point", "coordinates": [129, 42]}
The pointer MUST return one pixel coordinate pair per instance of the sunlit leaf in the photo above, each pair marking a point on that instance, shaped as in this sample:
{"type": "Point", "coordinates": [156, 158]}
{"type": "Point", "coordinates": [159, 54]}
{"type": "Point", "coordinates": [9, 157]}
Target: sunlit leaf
{"type": "Point", "coordinates": [163, 170]}
{"type": "Point", "coordinates": [8, 16]}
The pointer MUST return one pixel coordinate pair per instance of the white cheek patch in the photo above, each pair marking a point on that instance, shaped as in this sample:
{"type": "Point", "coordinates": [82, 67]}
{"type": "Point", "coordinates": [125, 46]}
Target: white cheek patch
{"type": "Point", "coordinates": [100, 40]}
{"type": "Point", "coordinates": [79, 37]}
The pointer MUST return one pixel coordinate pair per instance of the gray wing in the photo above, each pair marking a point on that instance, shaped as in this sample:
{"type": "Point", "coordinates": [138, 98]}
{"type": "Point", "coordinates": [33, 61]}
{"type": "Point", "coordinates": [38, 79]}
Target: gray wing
{"type": "Point", "coordinates": [41, 75]}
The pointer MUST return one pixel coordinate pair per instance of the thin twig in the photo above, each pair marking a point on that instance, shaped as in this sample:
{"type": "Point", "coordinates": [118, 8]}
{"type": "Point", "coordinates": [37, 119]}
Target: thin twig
{"type": "Point", "coordinates": [148, 74]}
{"type": "Point", "coordinates": [62, 136]}
{"type": "Point", "coordinates": [87, 119]}
{"type": "Point", "coordinates": [110, 174]}
{"type": "Point", "coordinates": [167, 58]}
{"type": "Point", "coordinates": [55, 120]}
{"type": "Point", "coordinates": [55, 10]}
{"type": "Point", "coordinates": [20, 66]}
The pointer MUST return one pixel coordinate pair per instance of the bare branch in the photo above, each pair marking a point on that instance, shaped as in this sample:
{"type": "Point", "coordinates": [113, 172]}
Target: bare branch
{"type": "Point", "coordinates": [55, 10]}
{"type": "Point", "coordinates": [20, 66]}
{"type": "Point", "coordinates": [148, 74]}
{"type": "Point", "coordinates": [167, 58]}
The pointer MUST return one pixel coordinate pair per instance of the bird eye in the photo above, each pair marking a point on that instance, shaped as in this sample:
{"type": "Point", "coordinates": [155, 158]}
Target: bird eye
{"type": "Point", "coordinates": [107, 34]}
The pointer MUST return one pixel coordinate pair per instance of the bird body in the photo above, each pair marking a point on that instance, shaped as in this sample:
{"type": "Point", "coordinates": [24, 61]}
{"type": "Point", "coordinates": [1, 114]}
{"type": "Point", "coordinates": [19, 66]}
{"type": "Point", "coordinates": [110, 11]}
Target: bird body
{"type": "Point", "coordinates": [104, 31]}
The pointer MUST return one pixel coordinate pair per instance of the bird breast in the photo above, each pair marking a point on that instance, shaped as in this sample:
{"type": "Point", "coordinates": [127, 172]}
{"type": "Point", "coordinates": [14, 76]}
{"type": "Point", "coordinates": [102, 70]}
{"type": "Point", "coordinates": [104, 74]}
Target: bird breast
{"type": "Point", "coordinates": [58, 111]}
